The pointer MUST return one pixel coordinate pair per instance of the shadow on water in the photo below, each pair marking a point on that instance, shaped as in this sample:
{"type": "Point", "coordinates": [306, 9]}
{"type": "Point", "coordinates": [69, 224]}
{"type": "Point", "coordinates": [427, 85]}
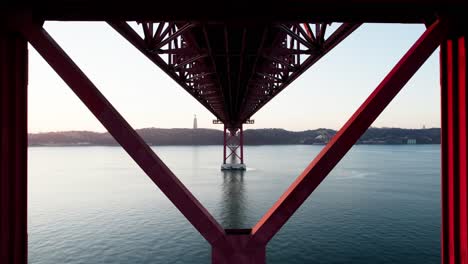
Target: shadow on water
{"type": "Point", "coordinates": [233, 209]}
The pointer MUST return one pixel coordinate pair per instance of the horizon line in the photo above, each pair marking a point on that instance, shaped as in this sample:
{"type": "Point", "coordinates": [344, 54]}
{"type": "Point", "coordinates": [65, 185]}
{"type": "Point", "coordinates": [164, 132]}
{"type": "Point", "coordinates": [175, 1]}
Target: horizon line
{"type": "Point", "coordinates": [188, 128]}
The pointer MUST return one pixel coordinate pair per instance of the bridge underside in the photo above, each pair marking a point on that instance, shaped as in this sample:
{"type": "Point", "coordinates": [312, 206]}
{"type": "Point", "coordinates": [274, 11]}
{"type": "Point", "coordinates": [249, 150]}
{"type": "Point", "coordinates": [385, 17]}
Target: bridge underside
{"type": "Point", "coordinates": [234, 69]}
{"type": "Point", "coordinates": [234, 63]}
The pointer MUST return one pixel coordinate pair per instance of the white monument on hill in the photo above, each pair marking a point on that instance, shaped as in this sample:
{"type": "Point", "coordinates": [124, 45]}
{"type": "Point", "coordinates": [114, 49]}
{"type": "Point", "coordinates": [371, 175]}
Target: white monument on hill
{"type": "Point", "coordinates": [195, 126]}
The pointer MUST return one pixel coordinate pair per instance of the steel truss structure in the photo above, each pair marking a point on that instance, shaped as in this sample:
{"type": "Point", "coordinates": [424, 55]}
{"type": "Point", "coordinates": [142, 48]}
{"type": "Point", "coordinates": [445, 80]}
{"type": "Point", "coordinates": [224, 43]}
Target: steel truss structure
{"type": "Point", "coordinates": [233, 145]}
{"type": "Point", "coordinates": [233, 70]}
{"type": "Point", "coordinates": [234, 65]}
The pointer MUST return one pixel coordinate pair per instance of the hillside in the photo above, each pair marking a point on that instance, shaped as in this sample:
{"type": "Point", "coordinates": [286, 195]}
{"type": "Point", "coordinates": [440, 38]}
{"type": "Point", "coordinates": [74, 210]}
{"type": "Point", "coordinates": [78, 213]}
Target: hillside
{"type": "Point", "coordinates": [184, 136]}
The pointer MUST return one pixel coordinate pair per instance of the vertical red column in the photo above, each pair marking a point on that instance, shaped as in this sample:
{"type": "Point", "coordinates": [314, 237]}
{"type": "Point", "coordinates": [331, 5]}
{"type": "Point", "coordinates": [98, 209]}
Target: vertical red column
{"type": "Point", "coordinates": [13, 147]}
{"type": "Point", "coordinates": [224, 146]}
{"type": "Point", "coordinates": [242, 144]}
{"type": "Point", "coordinates": [454, 236]}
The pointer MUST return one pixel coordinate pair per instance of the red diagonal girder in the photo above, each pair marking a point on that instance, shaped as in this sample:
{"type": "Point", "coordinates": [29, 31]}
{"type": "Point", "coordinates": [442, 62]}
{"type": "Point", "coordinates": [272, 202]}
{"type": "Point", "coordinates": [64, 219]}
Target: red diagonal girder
{"type": "Point", "coordinates": [327, 159]}
{"type": "Point", "coordinates": [124, 134]}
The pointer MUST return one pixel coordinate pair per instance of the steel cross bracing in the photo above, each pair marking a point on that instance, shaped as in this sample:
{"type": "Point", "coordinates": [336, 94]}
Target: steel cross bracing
{"type": "Point", "coordinates": [234, 70]}
{"type": "Point", "coordinates": [233, 146]}
{"type": "Point", "coordinates": [188, 47]}
{"type": "Point", "coordinates": [240, 246]}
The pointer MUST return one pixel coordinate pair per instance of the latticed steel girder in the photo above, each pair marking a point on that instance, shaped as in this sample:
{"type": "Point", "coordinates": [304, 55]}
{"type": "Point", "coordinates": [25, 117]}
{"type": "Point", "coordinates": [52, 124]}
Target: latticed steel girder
{"type": "Point", "coordinates": [234, 69]}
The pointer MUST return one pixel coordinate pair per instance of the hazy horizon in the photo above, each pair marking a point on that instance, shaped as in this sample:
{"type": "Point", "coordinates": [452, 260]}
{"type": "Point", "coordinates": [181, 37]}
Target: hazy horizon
{"type": "Point", "coordinates": [220, 129]}
{"type": "Point", "coordinates": [325, 96]}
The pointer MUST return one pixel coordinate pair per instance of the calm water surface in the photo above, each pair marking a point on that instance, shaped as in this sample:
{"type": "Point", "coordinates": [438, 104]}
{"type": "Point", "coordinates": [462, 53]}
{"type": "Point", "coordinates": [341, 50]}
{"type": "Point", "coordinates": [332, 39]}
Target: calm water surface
{"type": "Point", "coordinates": [381, 204]}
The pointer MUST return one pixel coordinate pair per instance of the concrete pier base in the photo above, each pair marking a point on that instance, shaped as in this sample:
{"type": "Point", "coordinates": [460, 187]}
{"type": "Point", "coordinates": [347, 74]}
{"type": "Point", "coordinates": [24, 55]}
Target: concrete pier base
{"type": "Point", "coordinates": [230, 166]}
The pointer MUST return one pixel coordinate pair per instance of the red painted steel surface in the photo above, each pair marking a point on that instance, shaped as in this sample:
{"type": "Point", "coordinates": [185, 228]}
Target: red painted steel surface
{"type": "Point", "coordinates": [454, 233]}
{"type": "Point", "coordinates": [339, 145]}
{"type": "Point", "coordinates": [224, 145]}
{"type": "Point", "coordinates": [233, 145]}
{"type": "Point", "coordinates": [242, 252]}
{"type": "Point", "coordinates": [13, 147]}
{"type": "Point", "coordinates": [133, 144]}
{"type": "Point", "coordinates": [241, 144]}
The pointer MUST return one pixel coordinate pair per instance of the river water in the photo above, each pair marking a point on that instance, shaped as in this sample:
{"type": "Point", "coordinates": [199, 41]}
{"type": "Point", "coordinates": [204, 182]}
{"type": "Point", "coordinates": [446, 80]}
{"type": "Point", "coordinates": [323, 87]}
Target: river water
{"type": "Point", "coordinates": [381, 204]}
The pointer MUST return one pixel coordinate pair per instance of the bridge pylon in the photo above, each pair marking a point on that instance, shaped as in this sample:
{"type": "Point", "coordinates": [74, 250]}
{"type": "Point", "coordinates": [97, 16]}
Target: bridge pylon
{"type": "Point", "coordinates": [233, 148]}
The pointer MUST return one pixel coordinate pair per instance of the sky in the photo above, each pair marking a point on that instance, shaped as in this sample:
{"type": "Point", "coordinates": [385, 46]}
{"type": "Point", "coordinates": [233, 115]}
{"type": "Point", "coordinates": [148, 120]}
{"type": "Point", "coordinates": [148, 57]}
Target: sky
{"type": "Point", "coordinates": [323, 97]}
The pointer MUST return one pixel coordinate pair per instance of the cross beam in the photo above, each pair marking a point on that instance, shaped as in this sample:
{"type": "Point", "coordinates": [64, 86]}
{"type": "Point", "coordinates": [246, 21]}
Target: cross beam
{"type": "Point", "coordinates": [124, 134]}
{"type": "Point", "coordinates": [347, 136]}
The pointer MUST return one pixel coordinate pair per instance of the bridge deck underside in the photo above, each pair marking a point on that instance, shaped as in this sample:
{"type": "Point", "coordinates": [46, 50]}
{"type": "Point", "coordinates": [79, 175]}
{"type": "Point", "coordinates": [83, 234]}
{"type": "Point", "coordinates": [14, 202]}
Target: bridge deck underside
{"type": "Point", "coordinates": [234, 69]}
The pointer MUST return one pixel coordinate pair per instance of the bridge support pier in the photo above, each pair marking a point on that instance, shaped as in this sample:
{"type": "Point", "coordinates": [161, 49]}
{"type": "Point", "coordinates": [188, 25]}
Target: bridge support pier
{"type": "Point", "coordinates": [454, 112]}
{"type": "Point", "coordinates": [233, 149]}
{"type": "Point", "coordinates": [13, 147]}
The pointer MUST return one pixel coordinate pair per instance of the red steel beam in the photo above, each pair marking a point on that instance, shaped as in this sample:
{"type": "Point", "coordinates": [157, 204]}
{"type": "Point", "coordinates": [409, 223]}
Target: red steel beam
{"type": "Point", "coordinates": [319, 168]}
{"type": "Point", "coordinates": [224, 146]}
{"type": "Point", "coordinates": [179, 32]}
{"type": "Point", "coordinates": [124, 134]}
{"type": "Point", "coordinates": [233, 141]}
{"type": "Point", "coordinates": [13, 147]}
{"type": "Point", "coordinates": [242, 144]}
{"type": "Point", "coordinates": [238, 239]}
{"type": "Point", "coordinates": [454, 232]}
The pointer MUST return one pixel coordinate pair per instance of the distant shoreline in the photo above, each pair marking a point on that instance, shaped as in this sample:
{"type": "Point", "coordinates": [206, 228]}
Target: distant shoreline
{"type": "Point", "coordinates": [84, 146]}
{"type": "Point", "coordinates": [252, 137]}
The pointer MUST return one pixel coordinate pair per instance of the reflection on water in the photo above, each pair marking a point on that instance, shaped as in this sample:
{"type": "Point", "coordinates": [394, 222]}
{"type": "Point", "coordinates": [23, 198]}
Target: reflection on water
{"type": "Point", "coordinates": [195, 157]}
{"type": "Point", "coordinates": [233, 159]}
{"type": "Point", "coordinates": [94, 205]}
{"type": "Point", "coordinates": [233, 207]}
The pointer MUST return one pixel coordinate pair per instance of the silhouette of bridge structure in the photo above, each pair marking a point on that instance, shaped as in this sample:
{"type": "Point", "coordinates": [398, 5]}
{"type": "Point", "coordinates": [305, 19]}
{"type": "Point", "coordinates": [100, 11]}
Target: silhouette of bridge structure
{"type": "Point", "coordinates": [234, 57]}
